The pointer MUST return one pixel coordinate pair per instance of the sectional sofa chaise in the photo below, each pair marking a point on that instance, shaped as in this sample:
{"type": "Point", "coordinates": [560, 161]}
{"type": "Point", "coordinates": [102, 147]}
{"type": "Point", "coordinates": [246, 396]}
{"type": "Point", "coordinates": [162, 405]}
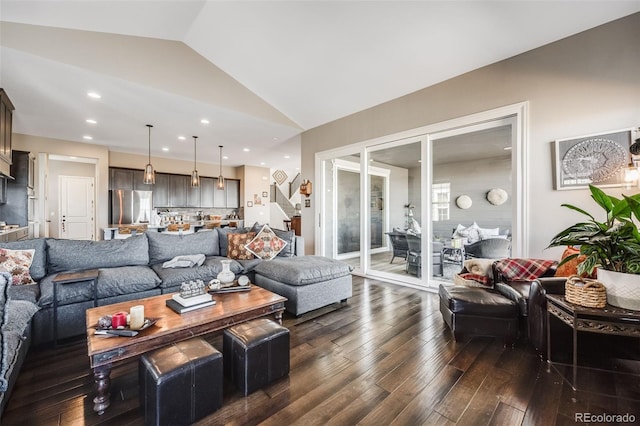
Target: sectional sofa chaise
{"type": "Point", "coordinates": [133, 268]}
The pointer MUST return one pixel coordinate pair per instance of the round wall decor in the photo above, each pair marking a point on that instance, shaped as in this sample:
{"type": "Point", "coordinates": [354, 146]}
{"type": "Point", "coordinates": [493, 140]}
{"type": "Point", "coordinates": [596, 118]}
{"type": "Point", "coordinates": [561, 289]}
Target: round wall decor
{"type": "Point", "coordinates": [497, 196]}
{"type": "Point", "coordinates": [464, 202]}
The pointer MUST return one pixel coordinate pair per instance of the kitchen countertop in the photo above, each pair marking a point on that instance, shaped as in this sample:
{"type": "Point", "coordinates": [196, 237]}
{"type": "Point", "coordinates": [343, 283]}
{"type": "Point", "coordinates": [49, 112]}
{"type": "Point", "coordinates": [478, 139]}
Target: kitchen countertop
{"type": "Point", "coordinates": [194, 223]}
{"type": "Point", "coordinates": [11, 230]}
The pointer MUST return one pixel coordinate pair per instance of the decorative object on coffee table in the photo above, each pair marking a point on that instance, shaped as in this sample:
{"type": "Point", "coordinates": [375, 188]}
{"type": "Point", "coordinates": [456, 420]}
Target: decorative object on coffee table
{"type": "Point", "coordinates": [226, 276]}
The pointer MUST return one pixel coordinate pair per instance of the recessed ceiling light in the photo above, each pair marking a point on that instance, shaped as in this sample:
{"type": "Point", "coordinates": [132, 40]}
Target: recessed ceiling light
{"type": "Point", "coordinates": [94, 95]}
{"type": "Point", "coordinates": [262, 163]}
{"type": "Point", "coordinates": [246, 149]}
{"type": "Point", "coordinates": [91, 121]}
{"type": "Point", "coordinates": [182, 138]}
{"type": "Point", "coordinates": [287, 156]}
{"type": "Point", "coordinates": [275, 139]}
{"type": "Point", "coordinates": [87, 137]}
{"type": "Point", "coordinates": [507, 148]}
{"type": "Point", "coordinates": [224, 157]}
{"type": "Point", "coordinates": [165, 149]}
{"type": "Point", "coordinates": [297, 168]}
{"type": "Point", "coordinates": [204, 121]}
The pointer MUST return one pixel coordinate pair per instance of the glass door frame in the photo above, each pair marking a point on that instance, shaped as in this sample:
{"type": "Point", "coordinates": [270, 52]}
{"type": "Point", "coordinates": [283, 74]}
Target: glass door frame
{"type": "Point", "coordinates": [518, 112]}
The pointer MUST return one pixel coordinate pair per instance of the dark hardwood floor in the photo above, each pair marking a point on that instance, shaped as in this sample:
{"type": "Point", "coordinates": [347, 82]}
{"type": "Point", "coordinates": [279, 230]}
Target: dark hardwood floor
{"type": "Point", "coordinates": [383, 358]}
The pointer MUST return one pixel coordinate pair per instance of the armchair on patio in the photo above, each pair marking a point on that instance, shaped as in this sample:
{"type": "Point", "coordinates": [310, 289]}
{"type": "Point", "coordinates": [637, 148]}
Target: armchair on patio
{"type": "Point", "coordinates": [491, 248]}
{"type": "Point", "coordinates": [399, 244]}
{"type": "Point", "coordinates": [414, 256]}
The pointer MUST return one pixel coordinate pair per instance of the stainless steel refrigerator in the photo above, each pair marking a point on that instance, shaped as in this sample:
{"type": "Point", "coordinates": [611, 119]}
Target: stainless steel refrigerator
{"type": "Point", "coordinates": [129, 207]}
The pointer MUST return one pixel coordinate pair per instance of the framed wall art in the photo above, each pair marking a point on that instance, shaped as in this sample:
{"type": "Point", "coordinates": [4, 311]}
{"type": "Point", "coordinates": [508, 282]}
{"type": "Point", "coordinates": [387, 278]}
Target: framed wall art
{"type": "Point", "coordinates": [592, 159]}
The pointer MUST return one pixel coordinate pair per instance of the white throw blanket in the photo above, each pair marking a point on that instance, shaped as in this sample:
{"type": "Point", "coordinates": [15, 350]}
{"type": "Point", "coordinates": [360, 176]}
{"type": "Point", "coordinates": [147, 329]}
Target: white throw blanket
{"type": "Point", "coordinates": [479, 266]}
{"type": "Point", "coordinates": [185, 261]}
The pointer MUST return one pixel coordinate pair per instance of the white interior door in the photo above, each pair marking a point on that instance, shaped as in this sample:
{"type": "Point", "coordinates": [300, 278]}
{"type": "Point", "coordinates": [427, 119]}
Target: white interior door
{"type": "Point", "coordinates": [77, 207]}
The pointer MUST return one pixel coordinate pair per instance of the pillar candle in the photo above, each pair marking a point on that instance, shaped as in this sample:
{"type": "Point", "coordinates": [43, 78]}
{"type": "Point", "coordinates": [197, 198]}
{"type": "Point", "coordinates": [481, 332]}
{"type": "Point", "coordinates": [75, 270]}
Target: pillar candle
{"type": "Point", "coordinates": [119, 319]}
{"type": "Point", "coordinates": [137, 317]}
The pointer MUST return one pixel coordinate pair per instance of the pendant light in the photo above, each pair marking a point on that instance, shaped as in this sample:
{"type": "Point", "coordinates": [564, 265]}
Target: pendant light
{"type": "Point", "coordinates": [195, 179]}
{"type": "Point", "coordinates": [149, 173]}
{"type": "Point", "coordinates": [220, 178]}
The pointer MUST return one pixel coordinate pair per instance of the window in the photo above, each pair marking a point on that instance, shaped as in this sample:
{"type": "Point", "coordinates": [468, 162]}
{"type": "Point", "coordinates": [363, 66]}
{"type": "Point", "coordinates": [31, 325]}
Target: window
{"type": "Point", "coordinates": [440, 197]}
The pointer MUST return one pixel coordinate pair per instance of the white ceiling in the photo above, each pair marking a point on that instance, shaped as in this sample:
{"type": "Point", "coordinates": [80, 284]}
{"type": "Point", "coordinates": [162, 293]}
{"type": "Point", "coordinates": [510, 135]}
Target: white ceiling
{"type": "Point", "coordinates": [261, 71]}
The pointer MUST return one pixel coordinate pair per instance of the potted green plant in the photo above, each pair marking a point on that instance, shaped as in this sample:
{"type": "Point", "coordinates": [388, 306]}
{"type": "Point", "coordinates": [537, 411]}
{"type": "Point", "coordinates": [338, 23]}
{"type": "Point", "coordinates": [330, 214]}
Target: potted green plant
{"type": "Point", "coordinates": [612, 246]}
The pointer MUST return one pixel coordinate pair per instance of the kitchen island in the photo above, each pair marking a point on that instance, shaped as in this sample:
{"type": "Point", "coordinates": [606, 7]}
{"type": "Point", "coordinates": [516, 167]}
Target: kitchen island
{"type": "Point", "coordinates": [113, 231]}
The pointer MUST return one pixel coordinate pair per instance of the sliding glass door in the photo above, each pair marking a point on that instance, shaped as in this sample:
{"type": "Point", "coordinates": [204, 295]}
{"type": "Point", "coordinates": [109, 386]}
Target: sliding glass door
{"type": "Point", "coordinates": [391, 207]}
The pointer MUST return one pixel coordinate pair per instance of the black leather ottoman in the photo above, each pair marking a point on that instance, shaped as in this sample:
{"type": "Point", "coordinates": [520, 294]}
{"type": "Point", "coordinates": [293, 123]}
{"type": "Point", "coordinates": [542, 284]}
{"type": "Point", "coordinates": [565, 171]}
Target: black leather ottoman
{"type": "Point", "coordinates": [478, 311]}
{"type": "Point", "coordinates": [255, 354]}
{"type": "Point", "coordinates": [181, 383]}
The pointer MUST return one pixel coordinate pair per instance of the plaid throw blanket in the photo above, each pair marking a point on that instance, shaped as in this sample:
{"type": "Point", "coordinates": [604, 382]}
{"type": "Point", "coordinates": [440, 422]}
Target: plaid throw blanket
{"type": "Point", "coordinates": [523, 269]}
{"type": "Point", "coordinates": [480, 279]}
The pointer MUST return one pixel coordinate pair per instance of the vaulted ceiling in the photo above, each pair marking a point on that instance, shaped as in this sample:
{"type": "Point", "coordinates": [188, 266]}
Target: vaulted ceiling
{"type": "Point", "coordinates": [261, 72]}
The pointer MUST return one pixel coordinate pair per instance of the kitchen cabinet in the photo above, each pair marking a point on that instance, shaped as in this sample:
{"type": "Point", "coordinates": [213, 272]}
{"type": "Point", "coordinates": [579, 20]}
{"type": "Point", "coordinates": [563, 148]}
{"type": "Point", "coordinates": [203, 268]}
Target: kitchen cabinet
{"type": "Point", "coordinates": [138, 182]}
{"type": "Point", "coordinates": [173, 190]}
{"type": "Point", "coordinates": [229, 197]}
{"type": "Point", "coordinates": [232, 188]}
{"type": "Point", "coordinates": [121, 179]}
{"type": "Point", "coordinates": [6, 129]}
{"type": "Point", "coordinates": [207, 189]}
{"type": "Point", "coordinates": [193, 194]}
{"type": "Point", "coordinates": [178, 186]}
{"type": "Point", "coordinates": [161, 190]}
{"type": "Point", "coordinates": [219, 195]}
{"type": "Point", "coordinates": [15, 209]}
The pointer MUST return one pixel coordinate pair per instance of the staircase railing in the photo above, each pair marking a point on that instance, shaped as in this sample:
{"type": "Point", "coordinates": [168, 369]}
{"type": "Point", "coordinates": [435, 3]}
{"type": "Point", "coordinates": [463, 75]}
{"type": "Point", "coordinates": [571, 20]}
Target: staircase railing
{"type": "Point", "coordinates": [279, 197]}
{"type": "Point", "coordinates": [294, 185]}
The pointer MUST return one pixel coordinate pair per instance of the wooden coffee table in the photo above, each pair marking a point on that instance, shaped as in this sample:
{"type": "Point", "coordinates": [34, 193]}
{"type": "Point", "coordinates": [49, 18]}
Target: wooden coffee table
{"type": "Point", "coordinates": [230, 309]}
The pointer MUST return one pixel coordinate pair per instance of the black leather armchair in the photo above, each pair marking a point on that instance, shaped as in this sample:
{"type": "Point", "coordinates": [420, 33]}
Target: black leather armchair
{"type": "Point", "coordinates": [537, 318]}
{"type": "Point", "coordinates": [520, 292]}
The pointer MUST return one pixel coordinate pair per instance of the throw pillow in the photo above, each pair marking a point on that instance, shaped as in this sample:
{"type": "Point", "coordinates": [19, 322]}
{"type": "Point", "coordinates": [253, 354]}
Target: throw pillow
{"type": "Point", "coordinates": [266, 245]}
{"type": "Point", "coordinates": [571, 267]}
{"type": "Point", "coordinates": [470, 233]}
{"type": "Point", "coordinates": [486, 233]}
{"type": "Point", "coordinates": [17, 263]}
{"type": "Point", "coordinates": [237, 243]}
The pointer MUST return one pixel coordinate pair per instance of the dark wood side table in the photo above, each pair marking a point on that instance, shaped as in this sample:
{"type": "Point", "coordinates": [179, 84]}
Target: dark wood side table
{"type": "Point", "coordinates": [608, 320]}
{"type": "Point", "coordinates": [70, 278]}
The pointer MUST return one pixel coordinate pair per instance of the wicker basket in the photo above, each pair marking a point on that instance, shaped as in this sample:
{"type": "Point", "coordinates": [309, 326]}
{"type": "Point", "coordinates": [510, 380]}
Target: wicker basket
{"type": "Point", "coordinates": [585, 292]}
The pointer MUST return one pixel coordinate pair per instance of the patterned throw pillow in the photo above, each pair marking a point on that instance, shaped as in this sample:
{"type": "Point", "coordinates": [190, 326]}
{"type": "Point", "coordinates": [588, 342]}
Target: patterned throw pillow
{"type": "Point", "coordinates": [237, 246]}
{"type": "Point", "coordinates": [266, 245]}
{"type": "Point", "coordinates": [17, 263]}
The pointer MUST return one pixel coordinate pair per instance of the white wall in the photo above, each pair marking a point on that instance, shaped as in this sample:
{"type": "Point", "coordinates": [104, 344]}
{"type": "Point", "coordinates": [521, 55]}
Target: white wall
{"type": "Point", "coordinates": [585, 84]}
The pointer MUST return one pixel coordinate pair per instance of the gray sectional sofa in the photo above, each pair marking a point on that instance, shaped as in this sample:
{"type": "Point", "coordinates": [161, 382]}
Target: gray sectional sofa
{"type": "Point", "coordinates": [133, 268]}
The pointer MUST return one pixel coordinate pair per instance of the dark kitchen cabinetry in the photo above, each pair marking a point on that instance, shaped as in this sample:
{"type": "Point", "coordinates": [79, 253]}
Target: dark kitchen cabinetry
{"type": "Point", "coordinates": [6, 129]}
{"type": "Point", "coordinates": [173, 190]}
{"type": "Point", "coordinates": [219, 195]}
{"type": "Point", "coordinates": [193, 194]}
{"type": "Point", "coordinates": [15, 210]}
{"type": "Point", "coordinates": [207, 190]}
{"type": "Point", "coordinates": [161, 190]}
{"type": "Point", "coordinates": [232, 188]}
{"type": "Point", "coordinates": [128, 179]}
{"type": "Point", "coordinates": [178, 186]}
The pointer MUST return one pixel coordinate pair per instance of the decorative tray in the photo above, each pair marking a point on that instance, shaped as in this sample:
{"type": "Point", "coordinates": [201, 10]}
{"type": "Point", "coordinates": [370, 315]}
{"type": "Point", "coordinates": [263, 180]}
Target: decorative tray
{"type": "Point", "coordinates": [148, 322]}
{"type": "Point", "coordinates": [232, 289]}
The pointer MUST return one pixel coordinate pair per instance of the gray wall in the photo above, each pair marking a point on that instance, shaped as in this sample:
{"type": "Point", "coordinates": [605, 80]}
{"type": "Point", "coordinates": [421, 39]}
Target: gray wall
{"type": "Point", "coordinates": [475, 179]}
{"type": "Point", "coordinates": [585, 84]}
